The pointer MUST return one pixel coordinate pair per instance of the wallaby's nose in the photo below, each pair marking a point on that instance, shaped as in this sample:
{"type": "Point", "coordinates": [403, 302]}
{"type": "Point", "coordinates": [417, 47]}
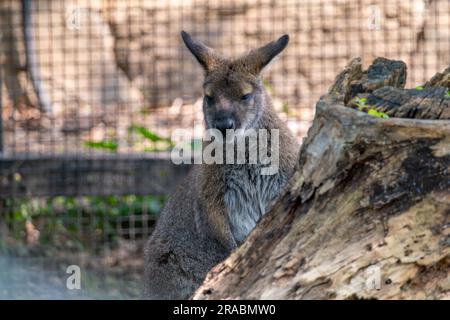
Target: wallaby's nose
{"type": "Point", "coordinates": [224, 123]}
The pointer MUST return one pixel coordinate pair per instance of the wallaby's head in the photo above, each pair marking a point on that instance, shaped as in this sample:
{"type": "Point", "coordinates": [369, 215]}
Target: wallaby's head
{"type": "Point", "coordinates": [234, 95]}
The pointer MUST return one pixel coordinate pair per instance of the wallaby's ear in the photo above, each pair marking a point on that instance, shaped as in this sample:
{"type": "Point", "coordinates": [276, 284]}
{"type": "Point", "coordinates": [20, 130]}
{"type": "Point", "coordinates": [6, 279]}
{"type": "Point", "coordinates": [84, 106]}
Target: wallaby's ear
{"type": "Point", "coordinates": [257, 59]}
{"type": "Point", "coordinates": [206, 56]}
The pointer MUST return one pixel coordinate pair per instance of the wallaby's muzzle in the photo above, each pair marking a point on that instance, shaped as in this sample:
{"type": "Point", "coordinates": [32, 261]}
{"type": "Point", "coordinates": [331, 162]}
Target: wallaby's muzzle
{"type": "Point", "coordinates": [222, 122]}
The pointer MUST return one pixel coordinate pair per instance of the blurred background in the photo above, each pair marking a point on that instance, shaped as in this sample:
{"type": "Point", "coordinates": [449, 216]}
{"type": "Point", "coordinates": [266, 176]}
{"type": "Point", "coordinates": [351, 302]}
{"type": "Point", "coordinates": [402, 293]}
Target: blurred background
{"type": "Point", "coordinates": [92, 92]}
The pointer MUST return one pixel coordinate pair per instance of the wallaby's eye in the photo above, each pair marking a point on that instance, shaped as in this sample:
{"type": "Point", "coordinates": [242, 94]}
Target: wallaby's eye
{"type": "Point", "coordinates": [208, 99]}
{"type": "Point", "coordinates": [246, 97]}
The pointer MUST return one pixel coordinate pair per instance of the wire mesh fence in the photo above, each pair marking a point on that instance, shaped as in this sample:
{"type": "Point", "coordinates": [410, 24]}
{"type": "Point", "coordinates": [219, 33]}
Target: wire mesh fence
{"type": "Point", "coordinates": [91, 93]}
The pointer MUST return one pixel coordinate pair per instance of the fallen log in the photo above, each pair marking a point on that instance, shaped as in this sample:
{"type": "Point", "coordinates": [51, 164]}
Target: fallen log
{"type": "Point", "coordinates": [367, 213]}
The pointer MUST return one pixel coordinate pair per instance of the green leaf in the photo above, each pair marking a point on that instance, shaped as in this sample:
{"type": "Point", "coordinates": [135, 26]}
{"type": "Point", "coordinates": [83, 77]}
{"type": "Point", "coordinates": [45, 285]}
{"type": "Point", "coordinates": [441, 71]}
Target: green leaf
{"type": "Point", "coordinates": [360, 103]}
{"type": "Point", "coordinates": [105, 144]}
{"type": "Point", "coordinates": [447, 95]}
{"type": "Point", "coordinates": [375, 113]}
{"type": "Point", "coordinates": [419, 88]}
{"type": "Point", "coordinates": [149, 134]}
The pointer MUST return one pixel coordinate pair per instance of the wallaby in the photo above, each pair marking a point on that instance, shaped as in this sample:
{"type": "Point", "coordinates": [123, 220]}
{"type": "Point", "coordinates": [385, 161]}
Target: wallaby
{"type": "Point", "coordinates": [217, 205]}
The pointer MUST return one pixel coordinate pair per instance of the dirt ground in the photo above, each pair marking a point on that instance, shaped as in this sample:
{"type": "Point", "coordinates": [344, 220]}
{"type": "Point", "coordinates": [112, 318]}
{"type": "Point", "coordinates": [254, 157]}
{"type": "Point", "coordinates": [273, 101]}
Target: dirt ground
{"type": "Point", "coordinates": [45, 278]}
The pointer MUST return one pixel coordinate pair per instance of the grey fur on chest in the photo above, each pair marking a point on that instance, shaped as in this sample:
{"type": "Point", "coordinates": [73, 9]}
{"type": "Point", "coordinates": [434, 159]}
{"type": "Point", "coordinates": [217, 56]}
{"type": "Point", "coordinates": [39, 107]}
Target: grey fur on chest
{"type": "Point", "coordinates": [247, 197]}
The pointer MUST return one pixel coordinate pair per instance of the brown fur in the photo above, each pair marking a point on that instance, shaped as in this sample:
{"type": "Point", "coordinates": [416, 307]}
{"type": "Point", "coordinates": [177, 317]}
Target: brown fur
{"type": "Point", "coordinates": [200, 224]}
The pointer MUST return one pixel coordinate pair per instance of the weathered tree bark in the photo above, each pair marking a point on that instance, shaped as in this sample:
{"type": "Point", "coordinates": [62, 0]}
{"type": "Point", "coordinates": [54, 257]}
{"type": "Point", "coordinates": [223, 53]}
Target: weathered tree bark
{"type": "Point", "coordinates": [367, 213]}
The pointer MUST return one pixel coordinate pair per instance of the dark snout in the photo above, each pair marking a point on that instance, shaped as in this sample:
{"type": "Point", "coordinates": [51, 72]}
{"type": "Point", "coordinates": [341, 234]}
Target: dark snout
{"type": "Point", "coordinates": [223, 122]}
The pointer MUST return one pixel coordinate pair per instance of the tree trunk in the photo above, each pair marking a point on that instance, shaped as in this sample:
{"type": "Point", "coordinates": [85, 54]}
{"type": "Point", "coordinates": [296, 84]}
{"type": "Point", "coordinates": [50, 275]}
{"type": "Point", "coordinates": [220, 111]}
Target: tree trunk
{"type": "Point", "coordinates": [367, 213]}
{"type": "Point", "coordinates": [11, 51]}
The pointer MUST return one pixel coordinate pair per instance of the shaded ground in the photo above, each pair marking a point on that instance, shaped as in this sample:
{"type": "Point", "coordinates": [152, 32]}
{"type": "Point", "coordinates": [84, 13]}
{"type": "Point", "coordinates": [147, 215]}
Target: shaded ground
{"type": "Point", "coordinates": [42, 278]}
{"type": "Point", "coordinates": [101, 235]}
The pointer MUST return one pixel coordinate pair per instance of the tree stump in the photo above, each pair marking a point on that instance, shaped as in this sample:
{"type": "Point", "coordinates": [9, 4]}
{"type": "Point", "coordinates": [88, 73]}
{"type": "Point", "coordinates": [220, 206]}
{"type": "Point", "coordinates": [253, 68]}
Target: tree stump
{"type": "Point", "coordinates": [367, 213]}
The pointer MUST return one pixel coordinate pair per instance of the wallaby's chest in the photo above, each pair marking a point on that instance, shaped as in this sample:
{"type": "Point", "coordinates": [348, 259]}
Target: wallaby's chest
{"type": "Point", "coordinates": [247, 196]}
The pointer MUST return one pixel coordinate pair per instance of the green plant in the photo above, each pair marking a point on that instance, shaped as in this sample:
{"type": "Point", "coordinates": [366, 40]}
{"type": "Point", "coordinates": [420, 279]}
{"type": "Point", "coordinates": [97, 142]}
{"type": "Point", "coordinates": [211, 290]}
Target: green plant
{"type": "Point", "coordinates": [446, 95]}
{"type": "Point", "coordinates": [110, 145]}
{"type": "Point", "coordinates": [157, 143]}
{"type": "Point", "coordinates": [375, 113]}
{"type": "Point", "coordinates": [75, 222]}
{"type": "Point", "coordinates": [360, 103]}
{"type": "Point", "coordinates": [144, 132]}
